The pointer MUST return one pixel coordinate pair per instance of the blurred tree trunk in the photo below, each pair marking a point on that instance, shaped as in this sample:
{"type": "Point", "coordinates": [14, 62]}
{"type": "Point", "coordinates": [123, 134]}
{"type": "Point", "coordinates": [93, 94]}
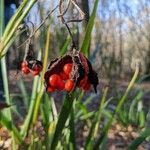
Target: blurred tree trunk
{"type": "Point", "coordinates": [85, 8]}
{"type": "Point", "coordinates": [120, 59]}
{"type": "Point", "coordinates": [147, 67]}
{"type": "Point", "coordinates": [147, 70]}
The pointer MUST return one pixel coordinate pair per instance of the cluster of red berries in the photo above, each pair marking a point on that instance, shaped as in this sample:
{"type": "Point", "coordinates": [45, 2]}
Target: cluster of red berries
{"type": "Point", "coordinates": [61, 81]}
{"type": "Point", "coordinates": [26, 69]}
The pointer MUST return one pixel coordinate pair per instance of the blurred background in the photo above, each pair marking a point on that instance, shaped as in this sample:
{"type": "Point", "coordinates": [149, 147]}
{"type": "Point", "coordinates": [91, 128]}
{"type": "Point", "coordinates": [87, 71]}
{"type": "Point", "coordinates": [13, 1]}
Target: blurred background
{"type": "Point", "coordinates": [121, 34]}
{"type": "Point", "coordinates": [120, 39]}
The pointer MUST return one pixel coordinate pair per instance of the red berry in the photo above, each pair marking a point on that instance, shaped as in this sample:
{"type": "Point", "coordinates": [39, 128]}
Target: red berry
{"type": "Point", "coordinates": [69, 85]}
{"type": "Point", "coordinates": [25, 70]}
{"type": "Point", "coordinates": [60, 85]}
{"type": "Point", "coordinates": [24, 64]}
{"type": "Point", "coordinates": [63, 76]}
{"type": "Point", "coordinates": [50, 89]}
{"type": "Point", "coordinates": [54, 80]}
{"type": "Point", "coordinates": [67, 68]}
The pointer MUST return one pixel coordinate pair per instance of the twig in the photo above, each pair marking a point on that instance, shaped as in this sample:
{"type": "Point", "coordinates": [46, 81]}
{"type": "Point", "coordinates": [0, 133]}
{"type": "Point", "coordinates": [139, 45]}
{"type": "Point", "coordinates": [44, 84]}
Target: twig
{"type": "Point", "coordinates": [63, 21]}
{"type": "Point", "coordinates": [82, 14]}
{"type": "Point", "coordinates": [62, 14]}
{"type": "Point", "coordinates": [73, 20]}
{"type": "Point", "coordinates": [33, 33]}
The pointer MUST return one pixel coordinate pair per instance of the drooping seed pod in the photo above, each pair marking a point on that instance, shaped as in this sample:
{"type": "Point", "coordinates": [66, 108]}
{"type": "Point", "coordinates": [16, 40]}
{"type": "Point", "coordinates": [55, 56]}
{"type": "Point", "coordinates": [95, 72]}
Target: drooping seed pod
{"type": "Point", "coordinates": [81, 67]}
{"type": "Point", "coordinates": [35, 66]}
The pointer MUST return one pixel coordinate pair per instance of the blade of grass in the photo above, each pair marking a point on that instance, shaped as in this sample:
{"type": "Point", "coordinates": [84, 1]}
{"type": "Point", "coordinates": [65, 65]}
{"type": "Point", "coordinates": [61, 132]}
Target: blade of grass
{"type": "Point", "coordinates": [134, 145]}
{"type": "Point", "coordinates": [133, 105]}
{"type": "Point", "coordinates": [37, 104]}
{"type": "Point", "coordinates": [53, 121]}
{"type": "Point", "coordinates": [121, 101]}
{"type": "Point", "coordinates": [87, 37]}
{"type": "Point", "coordinates": [10, 42]}
{"type": "Point", "coordinates": [94, 128]}
{"type": "Point", "coordinates": [6, 39]}
{"type": "Point", "coordinates": [28, 118]}
{"type": "Point", "coordinates": [23, 92]}
{"type": "Point", "coordinates": [64, 48]}
{"type": "Point", "coordinates": [87, 115]}
{"type": "Point", "coordinates": [72, 131]}
{"type": "Point", "coordinates": [63, 116]}
{"type": "Point", "coordinates": [8, 124]}
{"type": "Point", "coordinates": [7, 112]}
{"type": "Point", "coordinates": [32, 107]}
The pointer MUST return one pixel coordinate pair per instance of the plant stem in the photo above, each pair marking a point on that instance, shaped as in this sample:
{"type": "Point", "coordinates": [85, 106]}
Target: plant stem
{"type": "Point", "coordinates": [18, 19]}
{"type": "Point", "coordinates": [37, 104]}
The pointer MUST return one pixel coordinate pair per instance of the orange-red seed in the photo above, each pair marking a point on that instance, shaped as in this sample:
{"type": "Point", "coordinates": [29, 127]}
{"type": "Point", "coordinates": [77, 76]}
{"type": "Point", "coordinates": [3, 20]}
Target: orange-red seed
{"type": "Point", "coordinates": [67, 68]}
{"type": "Point", "coordinates": [54, 80]}
{"type": "Point", "coordinates": [25, 70]}
{"type": "Point", "coordinates": [69, 85]}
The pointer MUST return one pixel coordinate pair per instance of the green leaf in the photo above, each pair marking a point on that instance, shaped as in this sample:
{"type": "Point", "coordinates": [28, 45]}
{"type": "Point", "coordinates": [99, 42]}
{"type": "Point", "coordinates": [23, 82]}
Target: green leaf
{"type": "Point", "coordinates": [63, 116]}
{"type": "Point", "coordinates": [14, 24]}
{"type": "Point", "coordinates": [87, 37]}
{"type": "Point", "coordinates": [133, 105]}
{"type": "Point", "coordinates": [8, 124]}
{"type": "Point", "coordinates": [117, 110]}
{"type": "Point", "coordinates": [72, 130]}
{"type": "Point", "coordinates": [134, 145]}
{"type": "Point", "coordinates": [64, 48]}
{"type": "Point", "coordinates": [94, 127]}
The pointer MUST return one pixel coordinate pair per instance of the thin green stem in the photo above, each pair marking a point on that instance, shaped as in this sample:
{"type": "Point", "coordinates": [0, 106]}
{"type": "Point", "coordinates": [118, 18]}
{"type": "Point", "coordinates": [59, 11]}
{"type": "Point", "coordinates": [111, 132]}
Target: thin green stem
{"type": "Point", "coordinates": [28, 119]}
{"type": "Point", "coordinates": [37, 104]}
{"type": "Point", "coordinates": [6, 39]}
{"type": "Point", "coordinates": [7, 113]}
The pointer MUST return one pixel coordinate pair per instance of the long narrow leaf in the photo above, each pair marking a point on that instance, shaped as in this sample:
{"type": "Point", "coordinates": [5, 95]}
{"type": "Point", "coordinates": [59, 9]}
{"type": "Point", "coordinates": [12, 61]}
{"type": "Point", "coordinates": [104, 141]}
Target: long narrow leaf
{"type": "Point", "coordinates": [121, 101]}
{"type": "Point", "coordinates": [87, 37]}
{"type": "Point", "coordinates": [37, 104]}
{"type": "Point", "coordinates": [94, 127]}
{"type": "Point", "coordinates": [72, 130]}
{"type": "Point", "coordinates": [6, 39]}
{"type": "Point", "coordinates": [134, 145]}
{"type": "Point", "coordinates": [8, 124]}
{"type": "Point", "coordinates": [63, 116]}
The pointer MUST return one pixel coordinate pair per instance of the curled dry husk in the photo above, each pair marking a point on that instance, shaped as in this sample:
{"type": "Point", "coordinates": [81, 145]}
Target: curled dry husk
{"type": "Point", "coordinates": [81, 67]}
{"type": "Point", "coordinates": [33, 63]}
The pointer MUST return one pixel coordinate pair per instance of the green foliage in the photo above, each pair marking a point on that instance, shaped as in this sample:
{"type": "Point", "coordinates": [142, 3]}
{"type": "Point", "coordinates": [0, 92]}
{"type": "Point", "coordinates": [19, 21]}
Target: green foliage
{"type": "Point", "coordinates": [134, 145]}
{"type": "Point", "coordinates": [87, 37]}
{"type": "Point", "coordinates": [61, 127]}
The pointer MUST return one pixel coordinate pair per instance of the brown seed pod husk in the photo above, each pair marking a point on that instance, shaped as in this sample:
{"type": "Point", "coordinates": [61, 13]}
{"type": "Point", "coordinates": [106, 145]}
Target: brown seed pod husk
{"type": "Point", "coordinates": [32, 62]}
{"type": "Point", "coordinates": [81, 67]}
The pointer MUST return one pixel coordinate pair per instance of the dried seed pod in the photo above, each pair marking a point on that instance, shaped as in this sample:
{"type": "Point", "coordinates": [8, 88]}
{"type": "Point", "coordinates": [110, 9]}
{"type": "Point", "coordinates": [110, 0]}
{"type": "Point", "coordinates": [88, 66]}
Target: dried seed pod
{"type": "Point", "coordinates": [30, 64]}
{"type": "Point", "coordinates": [34, 64]}
{"type": "Point", "coordinates": [81, 67]}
